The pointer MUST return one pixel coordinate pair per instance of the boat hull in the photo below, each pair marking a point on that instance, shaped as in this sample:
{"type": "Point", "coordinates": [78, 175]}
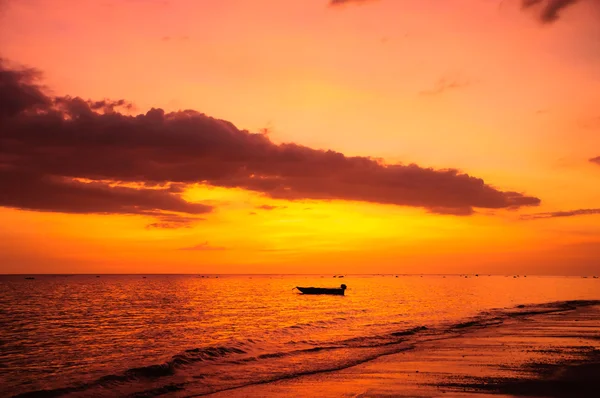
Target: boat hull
{"type": "Point", "coordinates": [321, 290]}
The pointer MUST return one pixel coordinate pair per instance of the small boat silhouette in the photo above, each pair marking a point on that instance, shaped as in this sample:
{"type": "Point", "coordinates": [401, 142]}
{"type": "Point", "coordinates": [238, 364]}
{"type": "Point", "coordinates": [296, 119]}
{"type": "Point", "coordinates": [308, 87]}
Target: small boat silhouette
{"type": "Point", "coordinates": [323, 290]}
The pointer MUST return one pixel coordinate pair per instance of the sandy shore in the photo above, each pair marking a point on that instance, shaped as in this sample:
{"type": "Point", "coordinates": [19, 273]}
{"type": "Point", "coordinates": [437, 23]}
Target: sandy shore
{"type": "Point", "coordinates": [553, 354]}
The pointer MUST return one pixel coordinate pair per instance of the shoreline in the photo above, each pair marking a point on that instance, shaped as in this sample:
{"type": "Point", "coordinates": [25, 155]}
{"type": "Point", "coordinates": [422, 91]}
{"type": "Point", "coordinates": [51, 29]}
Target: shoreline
{"type": "Point", "coordinates": [555, 353]}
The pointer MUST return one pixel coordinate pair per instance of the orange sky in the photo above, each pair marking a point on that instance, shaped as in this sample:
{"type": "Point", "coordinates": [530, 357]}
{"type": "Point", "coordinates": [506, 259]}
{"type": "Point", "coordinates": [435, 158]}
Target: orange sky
{"type": "Point", "coordinates": [482, 86]}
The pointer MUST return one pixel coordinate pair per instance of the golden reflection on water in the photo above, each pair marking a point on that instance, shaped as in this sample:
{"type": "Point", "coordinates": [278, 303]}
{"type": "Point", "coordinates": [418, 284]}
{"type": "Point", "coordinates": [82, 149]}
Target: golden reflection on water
{"type": "Point", "coordinates": [60, 330]}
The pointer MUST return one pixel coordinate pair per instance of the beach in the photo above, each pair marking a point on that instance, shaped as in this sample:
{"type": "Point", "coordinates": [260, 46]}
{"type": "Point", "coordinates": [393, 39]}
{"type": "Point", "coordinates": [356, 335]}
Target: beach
{"type": "Point", "coordinates": [532, 353]}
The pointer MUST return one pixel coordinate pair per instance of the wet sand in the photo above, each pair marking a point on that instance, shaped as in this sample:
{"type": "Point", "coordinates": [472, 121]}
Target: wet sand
{"type": "Point", "coordinates": [551, 354]}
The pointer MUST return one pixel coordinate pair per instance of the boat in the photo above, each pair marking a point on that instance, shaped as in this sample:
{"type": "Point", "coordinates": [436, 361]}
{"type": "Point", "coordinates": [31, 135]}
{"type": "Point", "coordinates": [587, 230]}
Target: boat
{"type": "Point", "coordinates": [323, 290]}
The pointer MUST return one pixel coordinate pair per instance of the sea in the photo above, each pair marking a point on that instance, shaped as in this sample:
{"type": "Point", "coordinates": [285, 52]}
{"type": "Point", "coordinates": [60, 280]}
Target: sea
{"type": "Point", "coordinates": [193, 335]}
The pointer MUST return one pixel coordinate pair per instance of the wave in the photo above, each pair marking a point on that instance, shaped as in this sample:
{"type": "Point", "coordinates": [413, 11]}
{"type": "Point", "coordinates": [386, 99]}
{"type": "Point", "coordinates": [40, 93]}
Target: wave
{"type": "Point", "coordinates": [497, 317]}
{"type": "Point", "coordinates": [320, 324]}
{"type": "Point", "coordinates": [145, 372]}
{"type": "Point", "coordinates": [207, 370]}
{"type": "Point", "coordinates": [477, 324]}
{"type": "Point", "coordinates": [410, 332]}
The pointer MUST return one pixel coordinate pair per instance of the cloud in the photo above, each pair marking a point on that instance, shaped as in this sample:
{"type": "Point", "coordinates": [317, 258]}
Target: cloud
{"type": "Point", "coordinates": [549, 9]}
{"type": "Point", "coordinates": [445, 84]}
{"type": "Point", "coordinates": [32, 187]}
{"type": "Point", "coordinates": [172, 221]}
{"type": "Point", "coordinates": [20, 91]}
{"type": "Point", "coordinates": [35, 191]}
{"type": "Point", "coordinates": [270, 207]}
{"type": "Point", "coordinates": [205, 247]}
{"type": "Point", "coordinates": [48, 144]}
{"type": "Point", "coordinates": [334, 3]}
{"type": "Point", "coordinates": [554, 214]}
{"type": "Point", "coordinates": [596, 160]}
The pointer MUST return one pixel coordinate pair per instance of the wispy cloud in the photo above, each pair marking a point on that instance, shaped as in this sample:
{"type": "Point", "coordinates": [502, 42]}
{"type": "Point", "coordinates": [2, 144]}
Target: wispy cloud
{"type": "Point", "coordinates": [596, 160]}
{"type": "Point", "coordinates": [342, 2]}
{"type": "Point", "coordinates": [205, 247]}
{"type": "Point", "coordinates": [555, 214]}
{"type": "Point", "coordinates": [270, 207]}
{"type": "Point", "coordinates": [446, 84]}
{"type": "Point", "coordinates": [172, 221]}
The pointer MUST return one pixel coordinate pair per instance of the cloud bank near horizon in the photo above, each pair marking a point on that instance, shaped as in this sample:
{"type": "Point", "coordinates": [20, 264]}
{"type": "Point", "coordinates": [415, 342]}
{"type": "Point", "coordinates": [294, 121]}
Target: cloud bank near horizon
{"type": "Point", "coordinates": [564, 213]}
{"type": "Point", "coordinates": [69, 155]}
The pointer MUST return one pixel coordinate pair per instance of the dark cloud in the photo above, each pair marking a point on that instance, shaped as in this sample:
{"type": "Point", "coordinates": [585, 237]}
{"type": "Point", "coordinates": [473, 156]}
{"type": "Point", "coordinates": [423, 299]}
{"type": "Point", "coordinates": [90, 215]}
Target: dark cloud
{"type": "Point", "coordinates": [31, 187]}
{"type": "Point", "coordinates": [270, 207]}
{"type": "Point", "coordinates": [204, 246]}
{"type": "Point", "coordinates": [29, 191]}
{"type": "Point", "coordinates": [554, 214]}
{"type": "Point", "coordinates": [20, 91]}
{"type": "Point", "coordinates": [445, 84]}
{"type": "Point", "coordinates": [596, 160]}
{"type": "Point", "coordinates": [47, 143]}
{"type": "Point", "coordinates": [549, 9]}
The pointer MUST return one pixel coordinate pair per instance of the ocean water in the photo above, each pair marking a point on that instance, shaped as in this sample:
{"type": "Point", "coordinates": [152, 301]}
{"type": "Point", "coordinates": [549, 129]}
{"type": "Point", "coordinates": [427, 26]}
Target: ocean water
{"type": "Point", "coordinates": [182, 335]}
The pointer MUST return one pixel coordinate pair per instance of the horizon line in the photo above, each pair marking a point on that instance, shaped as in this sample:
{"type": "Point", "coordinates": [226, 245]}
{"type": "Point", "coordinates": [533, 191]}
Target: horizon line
{"type": "Point", "coordinates": [284, 274]}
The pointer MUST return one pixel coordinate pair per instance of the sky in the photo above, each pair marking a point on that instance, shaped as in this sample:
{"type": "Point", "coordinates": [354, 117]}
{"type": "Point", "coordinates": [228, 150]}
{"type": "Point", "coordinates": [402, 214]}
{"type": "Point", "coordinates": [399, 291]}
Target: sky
{"type": "Point", "coordinates": [300, 136]}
